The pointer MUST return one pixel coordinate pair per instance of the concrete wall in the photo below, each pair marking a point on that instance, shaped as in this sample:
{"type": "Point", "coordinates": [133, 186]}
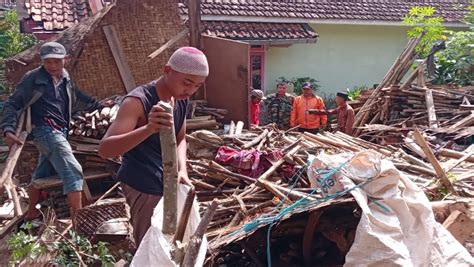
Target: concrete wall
{"type": "Point", "coordinates": [344, 56]}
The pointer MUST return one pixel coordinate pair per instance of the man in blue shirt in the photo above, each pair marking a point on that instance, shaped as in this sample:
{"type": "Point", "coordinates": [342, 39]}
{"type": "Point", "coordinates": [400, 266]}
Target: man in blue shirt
{"type": "Point", "coordinates": [52, 97]}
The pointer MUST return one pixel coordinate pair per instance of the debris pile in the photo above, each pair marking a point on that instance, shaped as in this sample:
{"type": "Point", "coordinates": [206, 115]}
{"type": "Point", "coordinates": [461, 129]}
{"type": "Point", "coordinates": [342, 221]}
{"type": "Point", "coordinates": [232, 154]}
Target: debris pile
{"type": "Point", "coordinates": [394, 108]}
{"type": "Point", "coordinates": [201, 116]}
{"type": "Point", "coordinates": [262, 171]}
{"type": "Point", "coordinates": [94, 124]}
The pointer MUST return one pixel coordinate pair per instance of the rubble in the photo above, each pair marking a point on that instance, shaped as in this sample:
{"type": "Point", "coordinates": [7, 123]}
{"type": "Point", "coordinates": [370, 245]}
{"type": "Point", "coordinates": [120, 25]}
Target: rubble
{"type": "Point", "coordinates": [251, 177]}
{"type": "Point", "coordinates": [245, 193]}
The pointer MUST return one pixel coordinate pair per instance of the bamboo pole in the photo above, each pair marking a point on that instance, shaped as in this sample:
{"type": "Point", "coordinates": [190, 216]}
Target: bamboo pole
{"type": "Point", "coordinates": [196, 239]}
{"type": "Point", "coordinates": [432, 159]}
{"type": "Point", "coordinates": [170, 174]}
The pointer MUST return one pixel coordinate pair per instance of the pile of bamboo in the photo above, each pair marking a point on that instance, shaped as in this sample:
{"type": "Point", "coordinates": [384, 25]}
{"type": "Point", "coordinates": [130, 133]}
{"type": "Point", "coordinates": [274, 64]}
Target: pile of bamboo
{"type": "Point", "coordinates": [400, 110]}
{"type": "Point", "coordinates": [242, 198]}
{"type": "Point", "coordinates": [394, 108]}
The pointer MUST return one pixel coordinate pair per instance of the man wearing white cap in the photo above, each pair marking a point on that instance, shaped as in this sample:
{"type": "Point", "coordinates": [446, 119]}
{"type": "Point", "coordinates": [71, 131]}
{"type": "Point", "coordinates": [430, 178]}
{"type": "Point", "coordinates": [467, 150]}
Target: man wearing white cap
{"type": "Point", "coordinates": [53, 98]}
{"type": "Point", "coordinates": [135, 133]}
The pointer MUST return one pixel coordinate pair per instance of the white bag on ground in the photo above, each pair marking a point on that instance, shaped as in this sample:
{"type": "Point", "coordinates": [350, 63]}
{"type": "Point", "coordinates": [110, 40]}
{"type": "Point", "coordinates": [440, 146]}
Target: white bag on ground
{"type": "Point", "coordinates": [397, 226]}
{"type": "Point", "coordinates": [155, 247]}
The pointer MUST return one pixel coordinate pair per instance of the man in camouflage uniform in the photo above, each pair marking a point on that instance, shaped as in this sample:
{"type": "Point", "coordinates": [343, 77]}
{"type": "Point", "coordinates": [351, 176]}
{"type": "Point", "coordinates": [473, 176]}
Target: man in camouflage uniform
{"type": "Point", "coordinates": [279, 107]}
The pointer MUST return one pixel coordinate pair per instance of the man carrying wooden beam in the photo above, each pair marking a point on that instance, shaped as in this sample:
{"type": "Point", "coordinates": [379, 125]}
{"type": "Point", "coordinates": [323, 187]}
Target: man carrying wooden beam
{"type": "Point", "coordinates": [135, 133]}
{"type": "Point", "coordinates": [52, 98]}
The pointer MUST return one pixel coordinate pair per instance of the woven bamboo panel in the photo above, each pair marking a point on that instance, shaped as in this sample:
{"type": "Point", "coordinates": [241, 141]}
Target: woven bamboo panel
{"type": "Point", "coordinates": [27, 163]}
{"type": "Point", "coordinates": [91, 217]}
{"type": "Point", "coordinates": [142, 27]}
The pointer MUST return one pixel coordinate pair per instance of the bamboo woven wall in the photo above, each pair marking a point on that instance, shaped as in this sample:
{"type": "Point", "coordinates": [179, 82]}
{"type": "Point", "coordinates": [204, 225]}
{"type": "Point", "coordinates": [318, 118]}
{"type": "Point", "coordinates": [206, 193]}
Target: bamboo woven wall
{"type": "Point", "coordinates": [142, 27]}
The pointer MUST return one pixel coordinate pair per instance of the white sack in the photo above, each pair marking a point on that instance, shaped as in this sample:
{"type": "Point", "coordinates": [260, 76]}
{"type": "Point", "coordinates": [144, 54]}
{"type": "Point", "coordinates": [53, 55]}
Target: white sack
{"type": "Point", "coordinates": [397, 226]}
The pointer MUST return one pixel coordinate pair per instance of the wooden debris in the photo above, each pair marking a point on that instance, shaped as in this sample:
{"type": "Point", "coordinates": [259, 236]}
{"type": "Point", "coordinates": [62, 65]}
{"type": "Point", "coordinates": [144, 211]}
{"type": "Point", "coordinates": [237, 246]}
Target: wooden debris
{"type": "Point", "coordinates": [196, 239]}
{"type": "Point", "coordinates": [460, 226]}
{"type": "Point", "coordinates": [431, 157]}
{"type": "Point", "coordinates": [94, 124]}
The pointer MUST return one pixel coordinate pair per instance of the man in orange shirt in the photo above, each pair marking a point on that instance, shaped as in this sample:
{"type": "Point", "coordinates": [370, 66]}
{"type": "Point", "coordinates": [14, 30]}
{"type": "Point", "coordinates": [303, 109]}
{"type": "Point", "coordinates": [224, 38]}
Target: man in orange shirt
{"type": "Point", "coordinates": [308, 111]}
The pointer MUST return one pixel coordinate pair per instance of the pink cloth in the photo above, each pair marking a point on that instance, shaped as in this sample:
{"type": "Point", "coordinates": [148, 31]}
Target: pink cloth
{"type": "Point", "coordinates": [251, 163]}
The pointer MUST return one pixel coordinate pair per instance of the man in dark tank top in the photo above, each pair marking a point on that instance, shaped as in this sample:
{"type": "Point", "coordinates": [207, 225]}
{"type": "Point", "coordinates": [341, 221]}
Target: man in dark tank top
{"type": "Point", "coordinates": [135, 134]}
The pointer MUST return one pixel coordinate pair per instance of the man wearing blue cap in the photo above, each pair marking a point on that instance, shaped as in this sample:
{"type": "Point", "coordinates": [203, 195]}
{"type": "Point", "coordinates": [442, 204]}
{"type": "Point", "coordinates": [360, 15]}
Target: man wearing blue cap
{"type": "Point", "coordinates": [52, 97]}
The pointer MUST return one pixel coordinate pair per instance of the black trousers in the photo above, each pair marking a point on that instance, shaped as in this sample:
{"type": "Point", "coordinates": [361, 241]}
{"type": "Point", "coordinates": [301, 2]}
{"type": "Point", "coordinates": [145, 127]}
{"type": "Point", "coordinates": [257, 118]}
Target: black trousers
{"type": "Point", "coordinates": [313, 131]}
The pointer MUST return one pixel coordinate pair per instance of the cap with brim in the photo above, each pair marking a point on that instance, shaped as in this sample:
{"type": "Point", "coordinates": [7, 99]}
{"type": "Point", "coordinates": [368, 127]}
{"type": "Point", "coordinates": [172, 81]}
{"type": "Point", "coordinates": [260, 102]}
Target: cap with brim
{"type": "Point", "coordinates": [52, 50]}
{"type": "Point", "coordinates": [307, 86]}
{"type": "Point", "coordinates": [343, 95]}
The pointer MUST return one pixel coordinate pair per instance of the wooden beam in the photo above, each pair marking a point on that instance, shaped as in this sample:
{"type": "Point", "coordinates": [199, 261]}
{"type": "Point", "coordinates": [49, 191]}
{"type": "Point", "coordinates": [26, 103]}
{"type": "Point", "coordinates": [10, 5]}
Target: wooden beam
{"type": "Point", "coordinates": [469, 152]}
{"type": "Point", "coordinates": [432, 120]}
{"type": "Point", "coordinates": [459, 225]}
{"type": "Point", "coordinates": [168, 44]}
{"type": "Point", "coordinates": [432, 159]}
{"type": "Point", "coordinates": [196, 239]}
{"type": "Point", "coordinates": [170, 171]}
{"type": "Point", "coordinates": [194, 14]}
{"type": "Point", "coordinates": [420, 80]}
{"type": "Point", "coordinates": [119, 57]}
{"type": "Point", "coordinates": [55, 181]}
{"type": "Point", "coordinates": [467, 121]}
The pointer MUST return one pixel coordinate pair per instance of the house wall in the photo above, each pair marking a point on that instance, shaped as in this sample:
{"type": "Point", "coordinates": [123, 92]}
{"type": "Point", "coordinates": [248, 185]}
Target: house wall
{"type": "Point", "coordinates": [344, 56]}
{"type": "Point", "coordinates": [142, 27]}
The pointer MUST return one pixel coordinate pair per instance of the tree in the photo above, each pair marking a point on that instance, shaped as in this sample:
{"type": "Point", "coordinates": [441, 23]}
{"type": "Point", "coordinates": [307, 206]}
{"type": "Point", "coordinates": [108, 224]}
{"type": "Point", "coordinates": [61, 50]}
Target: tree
{"type": "Point", "coordinates": [423, 20]}
{"type": "Point", "coordinates": [453, 64]}
{"type": "Point", "coordinates": [12, 41]}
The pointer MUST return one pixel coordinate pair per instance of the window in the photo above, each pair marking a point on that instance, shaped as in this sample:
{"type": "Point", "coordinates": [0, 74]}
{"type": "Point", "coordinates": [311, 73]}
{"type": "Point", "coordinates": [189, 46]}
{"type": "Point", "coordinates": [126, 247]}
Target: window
{"type": "Point", "coordinates": [257, 62]}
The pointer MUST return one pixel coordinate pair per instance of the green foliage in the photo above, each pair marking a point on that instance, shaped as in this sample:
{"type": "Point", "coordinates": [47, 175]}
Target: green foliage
{"type": "Point", "coordinates": [455, 63]}
{"type": "Point", "coordinates": [24, 246]}
{"type": "Point", "coordinates": [298, 83]}
{"type": "Point", "coordinates": [423, 19]}
{"type": "Point", "coordinates": [66, 251]}
{"type": "Point", "coordinates": [329, 100]}
{"type": "Point", "coordinates": [355, 93]}
{"type": "Point", "coordinates": [469, 18]}
{"type": "Point", "coordinates": [12, 41]}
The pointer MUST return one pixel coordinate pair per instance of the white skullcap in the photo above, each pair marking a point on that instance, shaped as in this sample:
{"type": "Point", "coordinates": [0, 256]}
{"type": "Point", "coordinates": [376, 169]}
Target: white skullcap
{"type": "Point", "coordinates": [189, 60]}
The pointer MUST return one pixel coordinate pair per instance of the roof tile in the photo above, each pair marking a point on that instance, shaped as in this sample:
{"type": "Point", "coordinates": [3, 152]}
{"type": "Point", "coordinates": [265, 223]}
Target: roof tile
{"type": "Point", "coordinates": [57, 14]}
{"type": "Point", "coordinates": [451, 10]}
{"type": "Point", "coordinates": [258, 31]}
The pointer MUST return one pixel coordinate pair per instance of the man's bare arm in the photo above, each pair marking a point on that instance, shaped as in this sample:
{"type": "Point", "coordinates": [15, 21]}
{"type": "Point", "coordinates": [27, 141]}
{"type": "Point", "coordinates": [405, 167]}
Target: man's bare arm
{"type": "Point", "coordinates": [123, 134]}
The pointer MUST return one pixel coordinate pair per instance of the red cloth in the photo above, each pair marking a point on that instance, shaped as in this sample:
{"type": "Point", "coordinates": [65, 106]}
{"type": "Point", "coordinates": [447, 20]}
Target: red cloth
{"type": "Point", "coordinates": [251, 162]}
{"type": "Point", "coordinates": [255, 113]}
